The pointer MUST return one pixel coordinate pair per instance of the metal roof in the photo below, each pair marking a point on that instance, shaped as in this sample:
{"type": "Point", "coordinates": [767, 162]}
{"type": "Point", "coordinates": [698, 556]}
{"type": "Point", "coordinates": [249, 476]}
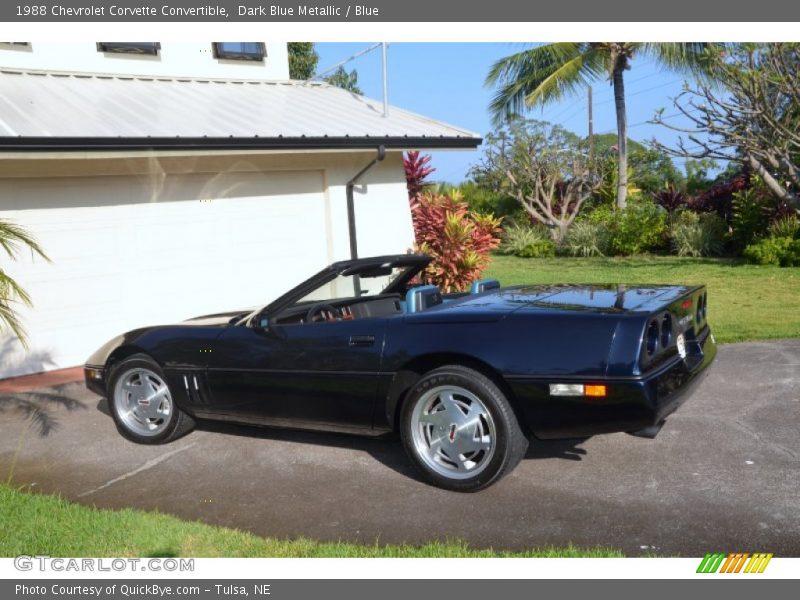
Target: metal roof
{"type": "Point", "coordinates": [47, 110]}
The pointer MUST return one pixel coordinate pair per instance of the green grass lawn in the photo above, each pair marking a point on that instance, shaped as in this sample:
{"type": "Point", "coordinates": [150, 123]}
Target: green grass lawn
{"type": "Point", "coordinates": [745, 302]}
{"type": "Point", "coordinates": [34, 524]}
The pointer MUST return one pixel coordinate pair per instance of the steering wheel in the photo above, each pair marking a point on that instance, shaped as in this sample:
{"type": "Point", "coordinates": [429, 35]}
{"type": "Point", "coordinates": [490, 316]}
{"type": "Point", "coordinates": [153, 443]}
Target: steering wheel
{"type": "Point", "coordinates": [314, 311]}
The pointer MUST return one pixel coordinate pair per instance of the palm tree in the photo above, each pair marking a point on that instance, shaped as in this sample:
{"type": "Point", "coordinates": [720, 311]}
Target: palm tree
{"type": "Point", "coordinates": [551, 72]}
{"type": "Point", "coordinates": [12, 239]}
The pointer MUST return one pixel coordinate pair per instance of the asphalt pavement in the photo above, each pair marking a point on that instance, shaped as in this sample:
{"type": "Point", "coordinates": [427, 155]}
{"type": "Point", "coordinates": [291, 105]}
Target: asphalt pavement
{"type": "Point", "coordinates": [722, 475]}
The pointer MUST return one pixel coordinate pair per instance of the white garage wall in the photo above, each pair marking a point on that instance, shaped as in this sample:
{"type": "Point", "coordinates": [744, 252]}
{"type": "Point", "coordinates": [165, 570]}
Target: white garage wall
{"type": "Point", "coordinates": [162, 240]}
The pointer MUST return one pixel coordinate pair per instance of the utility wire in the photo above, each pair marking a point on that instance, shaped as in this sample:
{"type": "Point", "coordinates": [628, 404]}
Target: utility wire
{"type": "Point", "coordinates": [573, 115]}
{"type": "Point", "coordinates": [639, 92]}
{"type": "Point", "coordinates": [649, 121]}
{"type": "Point", "coordinates": [580, 102]}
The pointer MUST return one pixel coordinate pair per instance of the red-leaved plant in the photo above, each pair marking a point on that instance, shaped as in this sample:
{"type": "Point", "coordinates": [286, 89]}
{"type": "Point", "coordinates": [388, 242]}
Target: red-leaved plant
{"type": "Point", "coordinates": [458, 240]}
{"type": "Point", "coordinates": [670, 198]}
{"type": "Point", "coordinates": [417, 170]}
{"type": "Point", "coordinates": [719, 197]}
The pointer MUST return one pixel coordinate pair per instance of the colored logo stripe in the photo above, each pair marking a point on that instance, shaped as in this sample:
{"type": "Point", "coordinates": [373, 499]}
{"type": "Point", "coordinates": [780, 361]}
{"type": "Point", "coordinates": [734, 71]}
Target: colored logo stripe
{"type": "Point", "coordinates": [710, 563]}
{"type": "Point", "coordinates": [734, 562]}
{"type": "Point", "coordinates": [758, 563]}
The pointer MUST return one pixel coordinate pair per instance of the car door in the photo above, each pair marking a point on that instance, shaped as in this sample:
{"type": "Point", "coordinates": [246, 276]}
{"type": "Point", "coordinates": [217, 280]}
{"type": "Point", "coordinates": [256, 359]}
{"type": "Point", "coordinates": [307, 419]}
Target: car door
{"type": "Point", "coordinates": [306, 374]}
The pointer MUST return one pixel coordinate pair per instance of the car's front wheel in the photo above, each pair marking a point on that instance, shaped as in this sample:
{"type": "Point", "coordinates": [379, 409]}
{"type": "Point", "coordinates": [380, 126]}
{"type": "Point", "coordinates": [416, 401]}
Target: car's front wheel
{"type": "Point", "coordinates": [141, 402]}
{"type": "Point", "coordinates": [459, 429]}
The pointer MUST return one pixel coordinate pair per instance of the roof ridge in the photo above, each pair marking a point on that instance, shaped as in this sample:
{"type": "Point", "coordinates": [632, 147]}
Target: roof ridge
{"type": "Point", "coordinates": [152, 77]}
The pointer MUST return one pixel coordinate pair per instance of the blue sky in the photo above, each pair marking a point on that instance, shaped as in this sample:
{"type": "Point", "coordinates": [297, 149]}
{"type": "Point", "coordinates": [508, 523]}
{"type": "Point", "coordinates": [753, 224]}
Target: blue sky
{"type": "Point", "coordinates": [445, 81]}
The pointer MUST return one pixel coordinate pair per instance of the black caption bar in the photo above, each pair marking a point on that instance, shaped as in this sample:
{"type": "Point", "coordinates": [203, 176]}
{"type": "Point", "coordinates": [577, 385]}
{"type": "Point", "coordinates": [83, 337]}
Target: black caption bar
{"type": "Point", "coordinates": [403, 11]}
{"type": "Point", "coordinates": [399, 589]}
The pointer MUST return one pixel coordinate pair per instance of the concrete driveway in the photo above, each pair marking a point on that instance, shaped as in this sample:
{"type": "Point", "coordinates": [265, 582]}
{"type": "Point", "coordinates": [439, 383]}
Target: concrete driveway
{"type": "Point", "coordinates": [723, 474]}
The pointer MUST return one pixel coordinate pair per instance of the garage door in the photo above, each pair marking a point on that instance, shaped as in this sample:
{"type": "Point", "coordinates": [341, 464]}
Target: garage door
{"type": "Point", "coordinates": [135, 250]}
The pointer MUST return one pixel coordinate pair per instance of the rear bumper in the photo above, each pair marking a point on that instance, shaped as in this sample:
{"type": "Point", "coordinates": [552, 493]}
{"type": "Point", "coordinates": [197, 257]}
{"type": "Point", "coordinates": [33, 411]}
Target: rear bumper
{"type": "Point", "coordinates": [632, 403]}
{"type": "Point", "coordinates": [668, 389]}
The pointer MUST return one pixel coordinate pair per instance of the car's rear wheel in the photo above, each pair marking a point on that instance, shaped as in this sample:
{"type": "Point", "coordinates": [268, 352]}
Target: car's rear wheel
{"type": "Point", "coordinates": [142, 404]}
{"type": "Point", "coordinates": [459, 429]}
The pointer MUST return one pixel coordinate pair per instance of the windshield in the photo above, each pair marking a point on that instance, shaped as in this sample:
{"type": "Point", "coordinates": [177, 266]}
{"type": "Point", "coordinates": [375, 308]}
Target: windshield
{"type": "Point", "coordinates": [365, 283]}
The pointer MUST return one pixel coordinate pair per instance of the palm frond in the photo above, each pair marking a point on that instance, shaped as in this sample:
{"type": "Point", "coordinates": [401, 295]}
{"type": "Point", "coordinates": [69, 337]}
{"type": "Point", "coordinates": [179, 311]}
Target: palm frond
{"type": "Point", "coordinates": [10, 294]}
{"type": "Point", "coordinates": [12, 237]}
{"type": "Point", "coordinates": [697, 59]}
{"type": "Point", "coordinates": [539, 56]}
{"type": "Point", "coordinates": [541, 75]}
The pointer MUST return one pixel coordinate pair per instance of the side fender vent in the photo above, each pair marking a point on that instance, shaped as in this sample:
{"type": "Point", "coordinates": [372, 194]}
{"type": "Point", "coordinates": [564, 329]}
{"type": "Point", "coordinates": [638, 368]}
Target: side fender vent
{"type": "Point", "coordinates": [194, 384]}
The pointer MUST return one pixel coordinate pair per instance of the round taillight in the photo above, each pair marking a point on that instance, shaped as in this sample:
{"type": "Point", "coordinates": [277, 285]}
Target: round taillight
{"type": "Point", "coordinates": [652, 337]}
{"type": "Point", "coordinates": [666, 330]}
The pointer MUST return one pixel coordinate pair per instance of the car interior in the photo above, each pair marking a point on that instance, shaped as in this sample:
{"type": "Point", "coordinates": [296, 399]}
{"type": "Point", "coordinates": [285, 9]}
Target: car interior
{"type": "Point", "coordinates": [417, 298]}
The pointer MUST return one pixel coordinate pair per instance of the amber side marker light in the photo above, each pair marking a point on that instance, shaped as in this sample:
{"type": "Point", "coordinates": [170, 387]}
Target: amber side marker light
{"type": "Point", "coordinates": [596, 391]}
{"type": "Point", "coordinates": [92, 373]}
{"type": "Point", "coordinates": [577, 389]}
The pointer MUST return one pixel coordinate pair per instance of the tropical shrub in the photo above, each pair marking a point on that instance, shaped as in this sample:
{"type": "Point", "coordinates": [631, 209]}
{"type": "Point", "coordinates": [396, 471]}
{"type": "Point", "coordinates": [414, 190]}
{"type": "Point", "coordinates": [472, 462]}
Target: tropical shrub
{"type": "Point", "coordinates": [693, 234]}
{"type": "Point", "coordinates": [519, 239]}
{"type": "Point", "coordinates": [791, 257]}
{"type": "Point", "coordinates": [719, 197]}
{"type": "Point", "coordinates": [483, 199]}
{"type": "Point", "coordinates": [783, 251]}
{"type": "Point", "coordinates": [639, 227]}
{"type": "Point", "coordinates": [538, 249]}
{"type": "Point", "coordinates": [458, 240]}
{"type": "Point", "coordinates": [670, 198]}
{"type": "Point", "coordinates": [749, 220]}
{"type": "Point", "coordinates": [417, 170]}
{"type": "Point", "coordinates": [788, 227]}
{"type": "Point", "coordinates": [588, 238]}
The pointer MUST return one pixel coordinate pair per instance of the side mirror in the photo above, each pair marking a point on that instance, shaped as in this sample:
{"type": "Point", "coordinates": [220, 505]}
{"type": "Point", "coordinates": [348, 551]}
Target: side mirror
{"type": "Point", "coordinates": [262, 322]}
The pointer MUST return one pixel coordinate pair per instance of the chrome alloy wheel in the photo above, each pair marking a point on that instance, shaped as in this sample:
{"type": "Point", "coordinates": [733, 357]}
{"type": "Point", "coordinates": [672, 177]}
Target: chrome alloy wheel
{"type": "Point", "coordinates": [143, 402]}
{"type": "Point", "coordinates": [453, 432]}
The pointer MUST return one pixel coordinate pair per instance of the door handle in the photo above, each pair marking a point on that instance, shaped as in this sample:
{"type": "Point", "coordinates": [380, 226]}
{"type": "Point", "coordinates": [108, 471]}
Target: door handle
{"type": "Point", "coordinates": [362, 340]}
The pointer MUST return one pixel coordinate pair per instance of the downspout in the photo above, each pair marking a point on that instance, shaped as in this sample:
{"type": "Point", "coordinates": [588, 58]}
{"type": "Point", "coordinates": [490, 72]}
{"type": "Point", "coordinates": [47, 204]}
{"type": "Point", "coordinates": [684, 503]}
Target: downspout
{"type": "Point", "coordinates": [351, 211]}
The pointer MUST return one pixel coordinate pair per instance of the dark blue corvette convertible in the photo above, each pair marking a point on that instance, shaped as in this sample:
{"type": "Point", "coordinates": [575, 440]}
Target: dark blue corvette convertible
{"type": "Point", "coordinates": [466, 379]}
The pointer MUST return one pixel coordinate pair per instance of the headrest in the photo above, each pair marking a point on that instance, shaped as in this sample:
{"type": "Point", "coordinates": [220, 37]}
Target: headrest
{"type": "Point", "coordinates": [422, 297]}
{"type": "Point", "coordinates": [484, 285]}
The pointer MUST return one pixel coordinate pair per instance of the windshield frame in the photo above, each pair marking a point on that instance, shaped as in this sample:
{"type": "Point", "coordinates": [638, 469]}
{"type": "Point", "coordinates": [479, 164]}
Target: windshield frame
{"type": "Point", "coordinates": [415, 263]}
{"type": "Point", "coordinates": [354, 282]}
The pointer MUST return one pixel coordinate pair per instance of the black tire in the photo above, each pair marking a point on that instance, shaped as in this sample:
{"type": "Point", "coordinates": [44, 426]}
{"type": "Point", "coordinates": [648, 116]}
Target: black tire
{"type": "Point", "coordinates": [510, 442]}
{"type": "Point", "coordinates": [178, 424]}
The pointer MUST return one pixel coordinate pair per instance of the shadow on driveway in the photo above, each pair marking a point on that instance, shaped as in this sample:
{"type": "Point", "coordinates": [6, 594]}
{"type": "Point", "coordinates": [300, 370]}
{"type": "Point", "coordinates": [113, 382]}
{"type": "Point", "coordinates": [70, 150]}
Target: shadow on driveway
{"type": "Point", "coordinates": [39, 409]}
{"type": "Point", "coordinates": [385, 449]}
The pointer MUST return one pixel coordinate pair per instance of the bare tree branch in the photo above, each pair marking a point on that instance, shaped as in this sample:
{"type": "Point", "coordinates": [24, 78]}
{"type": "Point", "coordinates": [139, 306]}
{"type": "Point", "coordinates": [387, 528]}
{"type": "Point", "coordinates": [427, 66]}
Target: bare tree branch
{"type": "Point", "coordinates": [754, 121]}
{"type": "Point", "coordinates": [544, 167]}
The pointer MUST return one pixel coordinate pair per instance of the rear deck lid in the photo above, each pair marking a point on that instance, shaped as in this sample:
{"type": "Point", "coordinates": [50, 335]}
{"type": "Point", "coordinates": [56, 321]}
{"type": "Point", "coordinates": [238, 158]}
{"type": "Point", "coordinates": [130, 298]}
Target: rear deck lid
{"type": "Point", "coordinates": [598, 298]}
